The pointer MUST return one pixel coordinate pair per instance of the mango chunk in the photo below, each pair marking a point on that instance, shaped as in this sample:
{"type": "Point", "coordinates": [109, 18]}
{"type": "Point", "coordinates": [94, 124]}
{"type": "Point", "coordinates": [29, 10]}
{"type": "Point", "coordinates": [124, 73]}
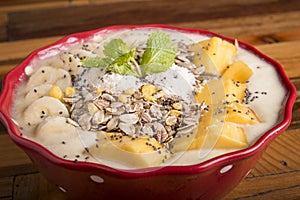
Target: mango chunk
{"type": "Point", "coordinates": [240, 114]}
{"type": "Point", "coordinates": [137, 152]}
{"type": "Point", "coordinates": [215, 54]}
{"type": "Point", "coordinates": [234, 92]}
{"type": "Point", "coordinates": [225, 136]}
{"type": "Point", "coordinates": [238, 71]}
{"type": "Point", "coordinates": [231, 137]}
{"type": "Point", "coordinates": [56, 92]}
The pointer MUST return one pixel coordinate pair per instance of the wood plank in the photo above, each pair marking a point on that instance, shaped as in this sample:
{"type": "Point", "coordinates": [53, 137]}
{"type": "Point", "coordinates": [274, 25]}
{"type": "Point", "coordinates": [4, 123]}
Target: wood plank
{"type": "Point", "coordinates": [20, 49]}
{"type": "Point", "coordinates": [5, 67]}
{"type": "Point", "coordinates": [35, 186]}
{"type": "Point", "coordinates": [6, 184]}
{"type": "Point", "coordinates": [3, 26]}
{"type": "Point", "coordinates": [22, 2]}
{"type": "Point", "coordinates": [295, 124]}
{"type": "Point", "coordinates": [13, 159]}
{"type": "Point", "coordinates": [34, 6]}
{"type": "Point", "coordinates": [288, 56]}
{"type": "Point", "coordinates": [282, 155]}
{"type": "Point", "coordinates": [256, 29]}
{"type": "Point", "coordinates": [40, 23]}
{"type": "Point", "coordinates": [280, 186]}
{"type": "Point", "coordinates": [79, 2]}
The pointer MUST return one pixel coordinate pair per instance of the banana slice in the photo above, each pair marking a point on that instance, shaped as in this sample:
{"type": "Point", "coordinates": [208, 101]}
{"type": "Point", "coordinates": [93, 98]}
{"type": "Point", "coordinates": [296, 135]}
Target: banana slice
{"type": "Point", "coordinates": [37, 92]}
{"type": "Point", "coordinates": [38, 110]}
{"type": "Point", "coordinates": [71, 64]}
{"type": "Point", "coordinates": [54, 130]}
{"type": "Point", "coordinates": [81, 53]}
{"type": "Point", "coordinates": [49, 75]}
{"type": "Point", "coordinates": [60, 137]}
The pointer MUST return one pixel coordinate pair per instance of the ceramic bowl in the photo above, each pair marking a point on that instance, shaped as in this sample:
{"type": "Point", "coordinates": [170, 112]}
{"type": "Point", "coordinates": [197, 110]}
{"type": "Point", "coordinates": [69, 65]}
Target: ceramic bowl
{"type": "Point", "coordinates": [211, 179]}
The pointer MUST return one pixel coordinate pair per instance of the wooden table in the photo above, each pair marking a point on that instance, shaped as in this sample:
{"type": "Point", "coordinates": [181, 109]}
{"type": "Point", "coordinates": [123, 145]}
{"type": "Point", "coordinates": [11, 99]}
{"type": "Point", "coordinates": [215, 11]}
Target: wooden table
{"type": "Point", "coordinates": [273, 26]}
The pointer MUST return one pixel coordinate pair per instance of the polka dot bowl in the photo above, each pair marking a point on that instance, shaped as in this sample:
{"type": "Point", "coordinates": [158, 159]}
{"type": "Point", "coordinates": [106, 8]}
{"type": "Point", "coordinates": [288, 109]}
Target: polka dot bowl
{"type": "Point", "coordinates": [211, 179]}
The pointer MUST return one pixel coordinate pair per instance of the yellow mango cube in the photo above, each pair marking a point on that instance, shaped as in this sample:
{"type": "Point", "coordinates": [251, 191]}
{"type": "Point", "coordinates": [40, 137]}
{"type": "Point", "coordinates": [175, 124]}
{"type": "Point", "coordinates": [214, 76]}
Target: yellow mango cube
{"type": "Point", "coordinates": [238, 71]}
{"type": "Point", "coordinates": [234, 92]}
{"type": "Point", "coordinates": [215, 54]}
{"type": "Point", "coordinates": [56, 92]}
{"type": "Point", "coordinates": [240, 114]}
{"type": "Point", "coordinates": [69, 91]}
{"type": "Point", "coordinates": [232, 137]}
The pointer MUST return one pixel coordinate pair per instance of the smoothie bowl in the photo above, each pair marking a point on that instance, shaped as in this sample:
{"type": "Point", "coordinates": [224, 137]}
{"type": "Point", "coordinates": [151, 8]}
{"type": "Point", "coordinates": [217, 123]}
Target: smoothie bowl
{"type": "Point", "coordinates": [148, 112]}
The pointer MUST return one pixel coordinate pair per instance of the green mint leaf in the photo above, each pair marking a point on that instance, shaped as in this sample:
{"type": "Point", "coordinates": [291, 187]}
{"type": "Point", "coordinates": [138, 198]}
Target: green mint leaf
{"type": "Point", "coordinates": [159, 55]}
{"type": "Point", "coordinates": [124, 69]}
{"type": "Point", "coordinates": [118, 55]}
{"type": "Point", "coordinates": [125, 58]}
{"type": "Point", "coordinates": [97, 62]}
{"type": "Point", "coordinates": [115, 48]}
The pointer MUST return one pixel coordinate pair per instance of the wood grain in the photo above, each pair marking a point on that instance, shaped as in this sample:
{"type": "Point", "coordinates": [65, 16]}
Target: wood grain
{"type": "Point", "coordinates": [40, 23]}
{"type": "Point", "coordinates": [5, 187]}
{"type": "Point", "coordinates": [3, 27]}
{"type": "Point", "coordinates": [37, 190]}
{"type": "Point", "coordinates": [257, 29]}
{"type": "Point", "coordinates": [13, 160]}
{"type": "Point", "coordinates": [279, 186]}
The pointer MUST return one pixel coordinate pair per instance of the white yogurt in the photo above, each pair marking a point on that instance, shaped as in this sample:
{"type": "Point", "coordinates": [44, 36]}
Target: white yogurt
{"type": "Point", "coordinates": [264, 79]}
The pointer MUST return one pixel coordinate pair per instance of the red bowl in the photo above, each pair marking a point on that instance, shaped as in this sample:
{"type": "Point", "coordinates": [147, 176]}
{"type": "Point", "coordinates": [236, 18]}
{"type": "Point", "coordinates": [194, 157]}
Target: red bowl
{"type": "Point", "coordinates": [211, 179]}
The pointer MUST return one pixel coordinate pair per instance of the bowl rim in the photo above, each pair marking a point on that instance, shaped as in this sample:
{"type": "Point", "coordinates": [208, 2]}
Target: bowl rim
{"type": "Point", "coordinates": [16, 75]}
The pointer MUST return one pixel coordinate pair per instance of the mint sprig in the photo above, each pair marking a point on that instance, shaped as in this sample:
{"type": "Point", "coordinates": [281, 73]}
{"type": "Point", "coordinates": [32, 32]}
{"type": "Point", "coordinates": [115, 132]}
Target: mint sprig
{"type": "Point", "coordinates": [159, 54]}
{"type": "Point", "coordinates": [119, 58]}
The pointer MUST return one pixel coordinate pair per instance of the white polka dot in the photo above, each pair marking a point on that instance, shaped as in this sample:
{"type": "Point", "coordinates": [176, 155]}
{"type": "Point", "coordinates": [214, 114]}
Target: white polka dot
{"type": "Point", "coordinates": [97, 179]}
{"type": "Point", "coordinates": [62, 189]}
{"type": "Point", "coordinates": [226, 169]}
{"type": "Point", "coordinates": [28, 70]}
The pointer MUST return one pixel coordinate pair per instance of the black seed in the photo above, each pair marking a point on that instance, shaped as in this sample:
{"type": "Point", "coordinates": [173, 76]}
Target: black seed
{"type": "Point", "coordinates": [75, 161]}
{"type": "Point", "coordinates": [35, 90]}
{"type": "Point", "coordinates": [65, 156]}
{"type": "Point", "coordinates": [87, 149]}
{"type": "Point", "coordinates": [77, 156]}
{"type": "Point", "coordinates": [63, 142]}
{"type": "Point", "coordinates": [43, 71]}
{"type": "Point", "coordinates": [60, 113]}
